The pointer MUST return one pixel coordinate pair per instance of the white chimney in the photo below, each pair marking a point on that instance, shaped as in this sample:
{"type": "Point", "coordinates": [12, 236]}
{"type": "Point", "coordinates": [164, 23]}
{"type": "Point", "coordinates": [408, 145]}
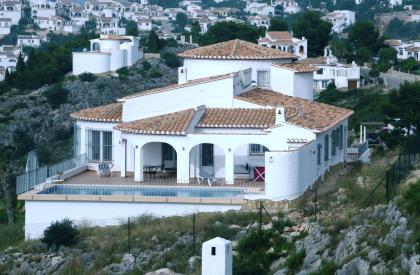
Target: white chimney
{"type": "Point", "coordinates": [216, 257]}
{"type": "Point", "coordinates": [280, 115]}
{"type": "Point", "coordinates": [182, 75]}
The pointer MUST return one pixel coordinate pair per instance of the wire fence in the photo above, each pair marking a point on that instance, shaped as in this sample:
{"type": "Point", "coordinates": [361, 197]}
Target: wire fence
{"type": "Point", "coordinates": [387, 187]}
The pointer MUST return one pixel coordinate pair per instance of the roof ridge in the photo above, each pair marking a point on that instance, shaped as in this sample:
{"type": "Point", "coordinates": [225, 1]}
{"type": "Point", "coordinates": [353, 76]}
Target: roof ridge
{"type": "Point", "coordinates": [235, 46]}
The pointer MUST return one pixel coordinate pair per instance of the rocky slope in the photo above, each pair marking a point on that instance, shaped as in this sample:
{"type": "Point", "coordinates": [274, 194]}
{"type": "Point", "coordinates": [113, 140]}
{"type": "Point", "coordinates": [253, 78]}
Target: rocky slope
{"type": "Point", "coordinates": [51, 129]}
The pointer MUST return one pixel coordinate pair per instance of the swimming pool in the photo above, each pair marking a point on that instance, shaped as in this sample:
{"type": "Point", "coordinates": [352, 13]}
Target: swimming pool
{"type": "Point", "coordinates": [143, 191]}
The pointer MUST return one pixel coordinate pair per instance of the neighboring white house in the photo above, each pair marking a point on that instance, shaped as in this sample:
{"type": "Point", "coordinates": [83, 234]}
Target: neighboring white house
{"type": "Point", "coordinates": [144, 24]}
{"type": "Point", "coordinates": [5, 25]}
{"type": "Point", "coordinates": [8, 59]}
{"type": "Point", "coordinates": [284, 41]}
{"type": "Point", "coordinates": [11, 9]}
{"type": "Point", "coordinates": [223, 123]}
{"type": "Point", "coordinates": [259, 8]}
{"type": "Point", "coordinates": [344, 76]}
{"type": "Point", "coordinates": [29, 40]}
{"type": "Point", "coordinates": [289, 6]}
{"type": "Point", "coordinates": [405, 50]}
{"type": "Point", "coordinates": [107, 53]}
{"type": "Point", "coordinates": [260, 21]}
{"type": "Point", "coordinates": [340, 19]}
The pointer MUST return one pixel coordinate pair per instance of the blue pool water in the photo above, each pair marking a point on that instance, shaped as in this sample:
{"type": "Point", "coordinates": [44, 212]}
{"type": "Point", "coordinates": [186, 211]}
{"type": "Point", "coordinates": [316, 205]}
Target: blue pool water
{"type": "Point", "coordinates": [143, 191]}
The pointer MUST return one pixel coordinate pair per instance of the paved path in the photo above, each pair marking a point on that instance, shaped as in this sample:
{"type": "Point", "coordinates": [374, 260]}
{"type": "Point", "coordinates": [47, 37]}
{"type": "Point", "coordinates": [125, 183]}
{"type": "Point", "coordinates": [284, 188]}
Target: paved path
{"type": "Point", "coordinates": [393, 79]}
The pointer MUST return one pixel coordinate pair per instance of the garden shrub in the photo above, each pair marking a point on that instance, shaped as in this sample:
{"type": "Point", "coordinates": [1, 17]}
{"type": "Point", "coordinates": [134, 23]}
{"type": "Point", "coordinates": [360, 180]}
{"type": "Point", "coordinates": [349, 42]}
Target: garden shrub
{"type": "Point", "coordinates": [412, 199]}
{"type": "Point", "coordinates": [89, 77]}
{"type": "Point", "coordinates": [294, 261]}
{"type": "Point", "coordinates": [171, 60]}
{"type": "Point", "coordinates": [56, 95]}
{"type": "Point", "coordinates": [327, 268]}
{"type": "Point", "coordinates": [146, 65]}
{"type": "Point", "coordinates": [61, 233]}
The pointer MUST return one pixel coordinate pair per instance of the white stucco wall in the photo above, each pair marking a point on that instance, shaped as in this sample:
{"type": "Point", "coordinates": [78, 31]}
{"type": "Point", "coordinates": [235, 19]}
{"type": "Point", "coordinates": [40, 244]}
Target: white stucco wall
{"type": "Point", "coordinates": [198, 68]}
{"type": "Point", "coordinates": [40, 214]}
{"type": "Point", "coordinates": [291, 83]}
{"type": "Point", "coordinates": [93, 62]}
{"type": "Point", "coordinates": [212, 94]}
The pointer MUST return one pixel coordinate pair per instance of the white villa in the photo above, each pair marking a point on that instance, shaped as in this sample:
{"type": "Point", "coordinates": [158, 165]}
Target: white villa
{"type": "Point", "coordinates": [344, 76]}
{"type": "Point", "coordinates": [340, 19]}
{"type": "Point", "coordinates": [240, 115]}
{"type": "Point", "coordinates": [285, 41]}
{"type": "Point", "coordinates": [107, 53]}
{"type": "Point", "coordinates": [405, 50]}
{"type": "Point", "coordinates": [29, 40]}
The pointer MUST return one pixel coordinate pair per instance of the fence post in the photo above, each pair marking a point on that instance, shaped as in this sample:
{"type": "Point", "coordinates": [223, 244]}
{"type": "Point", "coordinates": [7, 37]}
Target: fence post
{"type": "Point", "coordinates": [260, 216]}
{"type": "Point", "coordinates": [387, 186]}
{"type": "Point", "coordinates": [193, 242]}
{"type": "Point", "coordinates": [129, 236]}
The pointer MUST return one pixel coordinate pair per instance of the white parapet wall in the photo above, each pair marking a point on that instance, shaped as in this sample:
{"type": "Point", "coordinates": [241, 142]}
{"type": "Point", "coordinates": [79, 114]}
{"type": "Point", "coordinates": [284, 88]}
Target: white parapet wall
{"type": "Point", "coordinates": [40, 214]}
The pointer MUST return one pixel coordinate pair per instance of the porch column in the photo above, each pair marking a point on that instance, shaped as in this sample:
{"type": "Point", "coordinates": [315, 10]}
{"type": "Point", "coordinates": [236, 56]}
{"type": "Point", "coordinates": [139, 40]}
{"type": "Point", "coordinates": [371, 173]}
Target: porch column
{"type": "Point", "coordinates": [123, 155]}
{"type": "Point", "coordinates": [229, 164]}
{"type": "Point", "coordinates": [182, 165]}
{"type": "Point", "coordinates": [138, 164]}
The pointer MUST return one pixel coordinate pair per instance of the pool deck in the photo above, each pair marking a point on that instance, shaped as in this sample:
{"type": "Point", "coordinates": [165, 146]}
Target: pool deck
{"type": "Point", "coordinates": [91, 178]}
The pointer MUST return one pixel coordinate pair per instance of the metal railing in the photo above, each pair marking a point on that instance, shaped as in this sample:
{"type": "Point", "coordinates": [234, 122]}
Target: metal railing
{"type": "Point", "coordinates": [28, 180]}
{"type": "Point", "coordinates": [355, 152]}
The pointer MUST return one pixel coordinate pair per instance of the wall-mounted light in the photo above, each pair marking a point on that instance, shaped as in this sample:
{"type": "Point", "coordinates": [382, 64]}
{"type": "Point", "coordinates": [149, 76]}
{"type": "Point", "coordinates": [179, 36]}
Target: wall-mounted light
{"type": "Point", "coordinates": [183, 148]}
{"type": "Point", "coordinates": [137, 147]}
{"type": "Point", "coordinates": [229, 149]}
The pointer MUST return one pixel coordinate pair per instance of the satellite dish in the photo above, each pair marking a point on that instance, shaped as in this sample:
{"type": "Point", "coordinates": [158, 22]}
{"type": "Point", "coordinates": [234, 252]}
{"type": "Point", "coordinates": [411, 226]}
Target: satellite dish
{"type": "Point", "coordinates": [32, 162]}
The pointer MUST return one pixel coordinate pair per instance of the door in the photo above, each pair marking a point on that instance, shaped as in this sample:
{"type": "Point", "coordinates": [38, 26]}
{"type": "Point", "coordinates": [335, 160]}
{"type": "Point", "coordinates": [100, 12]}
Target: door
{"type": "Point", "coordinates": [207, 160]}
{"type": "Point", "coordinates": [168, 157]}
{"type": "Point", "coordinates": [352, 84]}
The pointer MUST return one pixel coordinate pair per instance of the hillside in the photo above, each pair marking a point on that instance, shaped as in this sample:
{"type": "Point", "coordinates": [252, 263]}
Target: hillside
{"type": "Point", "coordinates": [34, 121]}
{"type": "Point", "coordinates": [356, 232]}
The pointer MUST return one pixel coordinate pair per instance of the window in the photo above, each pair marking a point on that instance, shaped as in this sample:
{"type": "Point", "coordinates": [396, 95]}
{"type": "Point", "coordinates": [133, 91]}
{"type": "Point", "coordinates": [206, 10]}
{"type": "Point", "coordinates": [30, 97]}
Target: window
{"type": "Point", "coordinates": [340, 137]}
{"type": "Point", "coordinates": [213, 251]}
{"type": "Point", "coordinates": [333, 142]}
{"type": "Point", "coordinates": [77, 140]}
{"type": "Point", "coordinates": [263, 78]}
{"type": "Point", "coordinates": [257, 149]}
{"type": "Point", "coordinates": [107, 146]}
{"type": "Point", "coordinates": [326, 147]}
{"type": "Point", "coordinates": [99, 145]}
{"type": "Point", "coordinates": [318, 154]}
{"type": "Point", "coordinates": [207, 155]}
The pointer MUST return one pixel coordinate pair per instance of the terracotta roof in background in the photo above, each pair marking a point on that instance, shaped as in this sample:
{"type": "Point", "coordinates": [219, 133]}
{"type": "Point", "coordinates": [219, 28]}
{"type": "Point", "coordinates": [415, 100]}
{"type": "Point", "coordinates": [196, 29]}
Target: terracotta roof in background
{"type": "Point", "coordinates": [313, 60]}
{"type": "Point", "coordinates": [169, 124]}
{"type": "Point", "coordinates": [237, 118]}
{"type": "Point", "coordinates": [301, 112]}
{"type": "Point", "coordinates": [106, 113]}
{"type": "Point", "coordinates": [279, 35]}
{"type": "Point", "coordinates": [236, 50]}
{"type": "Point", "coordinates": [298, 67]}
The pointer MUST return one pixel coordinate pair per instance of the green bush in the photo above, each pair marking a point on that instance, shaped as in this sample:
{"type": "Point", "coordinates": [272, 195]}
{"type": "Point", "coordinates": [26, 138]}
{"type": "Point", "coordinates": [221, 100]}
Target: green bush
{"type": "Point", "coordinates": [56, 95]}
{"type": "Point", "coordinates": [327, 268]}
{"type": "Point", "coordinates": [412, 199]}
{"type": "Point", "coordinates": [171, 60]}
{"type": "Point", "coordinates": [253, 257]}
{"type": "Point", "coordinates": [123, 71]}
{"type": "Point", "coordinates": [294, 261]}
{"type": "Point", "coordinates": [89, 77]}
{"type": "Point", "coordinates": [146, 65]}
{"type": "Point", "coordinates": [61, 233]}
{"type": "Point", "coordinates": [388, 252]}
{"type": "Point", "coordinates": [155, 74]}
{"type": "Point", "coordinates": [10, 235]}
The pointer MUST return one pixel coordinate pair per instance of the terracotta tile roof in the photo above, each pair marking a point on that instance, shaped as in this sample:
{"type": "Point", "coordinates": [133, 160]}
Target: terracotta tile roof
{"type": "Point", "coordinates": [169, 124]}
{"type": "Point", "coordinates": [177, 86]}
{"type": "Point", "coordinates": [278, 35]}
{"type": "Point", "coordinates": [106, 113]}
{"type": "Point", "coordinates": [237, 118]}
{"type": "Point", "coordinates": [305, 113]}
{"type": "Point", "coordinates": [236, 49]}
{"type": "Point", "coordinates": [298, 67]}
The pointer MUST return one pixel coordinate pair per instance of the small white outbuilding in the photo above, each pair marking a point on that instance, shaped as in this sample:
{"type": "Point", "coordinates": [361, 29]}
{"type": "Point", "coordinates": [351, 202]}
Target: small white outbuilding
{"type": "Point", "coordinates": [216, 257]}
